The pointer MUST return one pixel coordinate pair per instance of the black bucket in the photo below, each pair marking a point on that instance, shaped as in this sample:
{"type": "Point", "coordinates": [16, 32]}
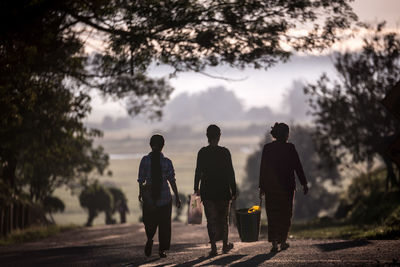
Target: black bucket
{"type": "Point", "coordinates": [248, 225]}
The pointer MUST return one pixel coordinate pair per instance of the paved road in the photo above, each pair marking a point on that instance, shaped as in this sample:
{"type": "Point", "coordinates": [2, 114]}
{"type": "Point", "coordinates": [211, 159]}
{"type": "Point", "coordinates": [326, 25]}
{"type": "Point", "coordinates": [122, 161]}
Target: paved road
{"type": "Point", "coordinates": [122, 245]}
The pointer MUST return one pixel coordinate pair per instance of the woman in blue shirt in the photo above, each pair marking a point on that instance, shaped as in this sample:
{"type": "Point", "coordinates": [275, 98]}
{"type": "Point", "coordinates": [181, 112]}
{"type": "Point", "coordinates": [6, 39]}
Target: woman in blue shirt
{"type": "Point", "coordinates": [155, 172]}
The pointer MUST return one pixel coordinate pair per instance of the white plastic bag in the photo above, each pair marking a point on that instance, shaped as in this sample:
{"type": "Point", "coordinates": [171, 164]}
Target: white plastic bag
{"type": "Point", "coordinates": [195, 211]}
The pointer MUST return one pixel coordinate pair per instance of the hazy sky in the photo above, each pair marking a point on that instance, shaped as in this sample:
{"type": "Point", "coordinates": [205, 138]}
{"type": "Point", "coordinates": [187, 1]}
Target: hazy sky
{"type": "Point", "coordinates": [259, 87]}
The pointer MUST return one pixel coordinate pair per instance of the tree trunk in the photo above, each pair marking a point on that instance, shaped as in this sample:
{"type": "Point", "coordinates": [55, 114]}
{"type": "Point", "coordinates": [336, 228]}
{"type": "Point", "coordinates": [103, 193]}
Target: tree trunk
{"type": "Point", "coordinates": [15, 215]}
{"type": "Point", "coordinates": [26, 216]}
{"type": "Point", "coordinates": [391, 179]}
{"type": "Point", "coordinates": [92, 215]}
{"type": "Point", "coordinates": [21, 217]}
{"type": "Point", "coordinates": [9, 172]}
{"type": "Point", "coordinates": [2, 217]}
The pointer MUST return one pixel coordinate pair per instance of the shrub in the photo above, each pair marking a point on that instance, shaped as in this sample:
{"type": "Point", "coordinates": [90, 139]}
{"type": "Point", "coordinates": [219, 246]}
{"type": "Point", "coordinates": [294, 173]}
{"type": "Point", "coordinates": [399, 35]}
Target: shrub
{"type": "Point", "coordinates": [95, 198]}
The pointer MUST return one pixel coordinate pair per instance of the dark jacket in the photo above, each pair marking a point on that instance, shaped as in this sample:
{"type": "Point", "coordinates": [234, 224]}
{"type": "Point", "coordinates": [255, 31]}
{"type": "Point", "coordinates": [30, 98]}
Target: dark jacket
{"type": "Point", "coordinates": [215, 172]}
{"type": "Point", "coordinates": [278, 163]}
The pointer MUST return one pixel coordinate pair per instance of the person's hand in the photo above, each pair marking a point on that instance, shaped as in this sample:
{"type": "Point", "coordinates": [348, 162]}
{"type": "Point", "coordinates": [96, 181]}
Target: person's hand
{"type": "Point", "coordinates": [262, 193]}
{"type": "Point", "coordinates": [178, 203]}
{"type": "Point", "coordinates": [234, 197]}
{"type": "Point", "coordinates": [305, 189]}
{"type": "Point", "coordinates": [140, 198]}
{"type": "Point", "coordinates": [197, 192]}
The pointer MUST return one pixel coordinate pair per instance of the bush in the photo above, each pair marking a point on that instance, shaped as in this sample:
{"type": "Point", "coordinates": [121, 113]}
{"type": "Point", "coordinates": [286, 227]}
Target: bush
{"type": "Point", "coordinates": [367, 202]}
{"type": "Point", "coordinates": [96, 198]}
{"type": "Point", "coordinates": [53, 204]}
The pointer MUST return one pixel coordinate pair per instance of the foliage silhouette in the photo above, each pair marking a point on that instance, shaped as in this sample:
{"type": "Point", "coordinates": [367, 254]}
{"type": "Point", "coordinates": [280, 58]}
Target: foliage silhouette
{"type": "Point", "coordinates": [52, 204]}
{"type": "Point", "coordinates": [349, 117]}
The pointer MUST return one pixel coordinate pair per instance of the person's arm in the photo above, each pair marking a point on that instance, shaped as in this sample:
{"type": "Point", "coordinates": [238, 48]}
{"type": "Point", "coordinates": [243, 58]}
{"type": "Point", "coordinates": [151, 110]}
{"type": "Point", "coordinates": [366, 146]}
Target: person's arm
{"type": "Point", "coordinates": [175, 190]}
{"type": "Point", "coordinates": [172, 181]}
{"type": "Point", "coordinates": [231, 176]}
{"type": "Point", "coordinates": [198, 173]}
{"type": "Point", "coordinates": [262, 173]}
{"type": "Point", "coordinates": [299, 170]}
{"type": "Point", "coordinates": [141, 178]}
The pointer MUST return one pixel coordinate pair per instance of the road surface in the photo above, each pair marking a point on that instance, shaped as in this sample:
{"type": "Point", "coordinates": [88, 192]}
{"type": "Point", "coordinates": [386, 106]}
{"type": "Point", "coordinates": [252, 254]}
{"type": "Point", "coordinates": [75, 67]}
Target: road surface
{"type": "Point", "coordinates": [122, 245]}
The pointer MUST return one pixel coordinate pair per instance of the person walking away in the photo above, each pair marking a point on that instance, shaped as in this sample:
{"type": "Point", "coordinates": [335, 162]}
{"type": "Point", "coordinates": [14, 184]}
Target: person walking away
{"type": "Point", "coordinates": [155, 172]}
{"type": "Point", "coordinates": [123, 209]}
{"type": "Point", "coordinates": [216, 176]}
{"type": "Point", "coordinates": [279, 162]}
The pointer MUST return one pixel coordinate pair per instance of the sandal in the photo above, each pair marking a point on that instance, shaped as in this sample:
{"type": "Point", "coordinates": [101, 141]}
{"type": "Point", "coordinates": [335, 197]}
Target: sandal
{"type": "Point", "coordinates": [285, 246]}
{"type": "Point", "coordinates": [226, 248]}
{"type": "Point", "coordinates": [162, 254]}
{"type": "Point", "coordinates": [148, 248]}
{"type": "Point", "coordinates": [213, 251]}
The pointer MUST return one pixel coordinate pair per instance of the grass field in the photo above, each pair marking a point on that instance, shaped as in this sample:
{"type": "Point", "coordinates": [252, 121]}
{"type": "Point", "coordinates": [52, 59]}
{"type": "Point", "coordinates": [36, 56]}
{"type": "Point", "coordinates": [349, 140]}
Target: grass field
{"type": "Point", "coordinates": [124, 163]}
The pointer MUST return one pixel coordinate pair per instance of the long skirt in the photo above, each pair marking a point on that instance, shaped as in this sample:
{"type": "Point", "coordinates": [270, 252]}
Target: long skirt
{"type": "Point", "coordinates": [217, 212]}
{"type": "Point", "coordinates": [158, 217]}
{"type": "Point", "coordinates": [279, 207]}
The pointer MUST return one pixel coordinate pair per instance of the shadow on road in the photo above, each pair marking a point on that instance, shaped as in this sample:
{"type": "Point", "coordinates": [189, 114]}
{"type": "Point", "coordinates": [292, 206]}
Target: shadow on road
{"type": "Point", "coordinates": [224, 261]}
{"type": "Point", "coordinates": [326, 247]}
{"type": "Point", "coordinates": [256, 260]}
{"type": "Point", "coordinates": [136, 264]}
{"type": "Point", "coordinates": [174, 247]}
{"type": "Point", "coordinates": [193, 262]}
{"type": "Point", "coordinates": [72, 255]}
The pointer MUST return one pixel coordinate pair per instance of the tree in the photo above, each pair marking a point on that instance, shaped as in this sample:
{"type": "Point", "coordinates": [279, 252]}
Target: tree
{"type": "Point", "coordinates": [315, 169]}
{"type": "Point", "coordinates": [349, 117]}
{"type": "Point", "coordinates": [52, 204]}
{"type": "Point", "coordinates": [96, 198]}
{"type": "Point", "coordinates": [187, 35]}
{"type": "Point", "coordinates": [43, 141]}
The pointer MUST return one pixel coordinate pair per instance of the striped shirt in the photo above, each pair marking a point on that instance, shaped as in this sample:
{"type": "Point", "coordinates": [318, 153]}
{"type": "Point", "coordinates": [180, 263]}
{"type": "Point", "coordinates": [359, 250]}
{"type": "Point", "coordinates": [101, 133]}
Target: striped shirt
{"type": "Point", "coordinates": [167, 173]}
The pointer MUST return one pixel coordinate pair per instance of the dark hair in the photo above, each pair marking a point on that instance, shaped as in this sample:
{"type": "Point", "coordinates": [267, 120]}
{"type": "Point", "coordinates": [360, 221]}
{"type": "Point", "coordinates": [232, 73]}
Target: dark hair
{"type": "Point", "coordinates": [156, 143]}
{"type": "Point", "coordinates": [213, 132]}
{"type": "Point", "coordinates": [280, 131]}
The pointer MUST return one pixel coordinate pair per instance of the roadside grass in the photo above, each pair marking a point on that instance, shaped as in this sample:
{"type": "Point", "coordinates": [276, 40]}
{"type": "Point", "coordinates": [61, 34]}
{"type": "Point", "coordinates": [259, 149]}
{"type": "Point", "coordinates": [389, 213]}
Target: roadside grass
{"type": "Point", "coordinates": [343, 230]}
{"type": "Point", "coordinates": [35, 233]}
{"type": "Point", "coordinates": [366, 210]}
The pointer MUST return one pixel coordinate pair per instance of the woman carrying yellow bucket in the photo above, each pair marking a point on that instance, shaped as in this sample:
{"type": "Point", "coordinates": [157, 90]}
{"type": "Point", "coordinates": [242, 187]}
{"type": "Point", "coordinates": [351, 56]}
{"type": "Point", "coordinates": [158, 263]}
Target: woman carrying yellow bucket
{"type": "Point", "coordinates": [279, 162]}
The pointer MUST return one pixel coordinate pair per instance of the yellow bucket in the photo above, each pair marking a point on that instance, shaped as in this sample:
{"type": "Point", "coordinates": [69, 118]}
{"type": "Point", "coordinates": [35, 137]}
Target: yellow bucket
{"type": "Point", "coordinates": [254, 209]}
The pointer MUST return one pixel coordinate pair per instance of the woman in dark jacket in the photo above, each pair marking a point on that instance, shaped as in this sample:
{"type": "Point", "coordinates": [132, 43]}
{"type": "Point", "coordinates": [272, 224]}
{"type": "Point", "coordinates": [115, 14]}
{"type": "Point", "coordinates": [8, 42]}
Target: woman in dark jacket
{"type": "Point", "coordinates": [216, 177]}
{"type": "Point", "coordinates": [279, 162]}
{"type": "Point", "coordinates": [155, 173]}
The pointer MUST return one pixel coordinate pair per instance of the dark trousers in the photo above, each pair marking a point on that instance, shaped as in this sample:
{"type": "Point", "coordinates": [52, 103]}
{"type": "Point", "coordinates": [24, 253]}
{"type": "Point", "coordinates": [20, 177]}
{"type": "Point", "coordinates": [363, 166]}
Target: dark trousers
{"type": "Point", "coordinates": [160, 217]}
{"type": "Point", "coordinates": [217, 212]}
